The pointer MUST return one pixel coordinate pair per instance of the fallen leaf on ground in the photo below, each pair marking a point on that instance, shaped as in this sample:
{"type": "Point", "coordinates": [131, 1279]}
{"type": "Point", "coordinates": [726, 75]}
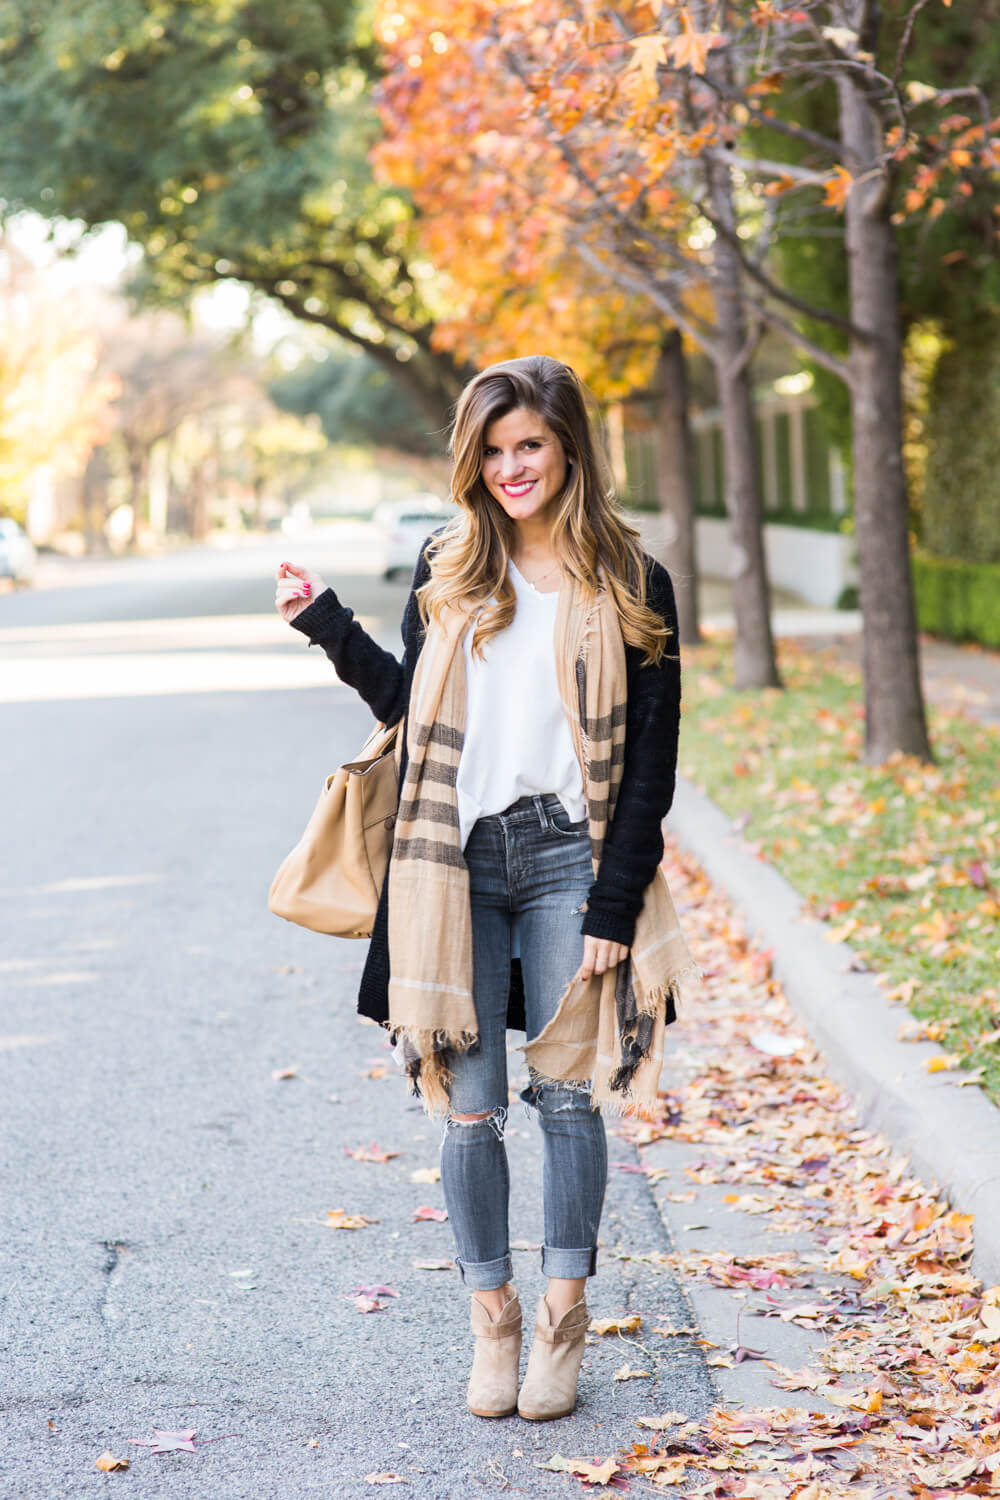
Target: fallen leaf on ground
{"type": "Point", "coordinates": [168, 1442]}
{"type": "Point", "coordinates": [630, 1324]}
{"type": "Point", "coordinates": [740, 1352]}
{"type": "Point", "coordinates": [375, 1291]}
{"type": "Point", "coordinates": [107, 1462]}
{"type": "Point", "coordinates": [627, 1373]}
{"type": "Point", "coordinates": [386, 1477]}
{"type": "Point", "coordinates": [426, 1174]}
{"type": "Point", "coordinates": [339, 1218]}
{"type": "Point", "coordinates": [659, 1424]}
{"type": "Point", "coordinates": [593, 1472]}
{"type": "Point", "coordinates": [976, 1075]}
{"type": "Point", "coordinates": [372, 1152]}
{"type": "Point", "coordinates": [366, 1304]}
{"type": "Point", "coordinates": [292, 1072]}
{"type": "Point", "coordinates": [800, 1380]}
{"type": "Point", "coordinates": [434, 1265]}
{"type": "Point", "coordinates": [943, 1063]}
{"type": "Point", "coordinates": [430, 1215]}
{"type": "Point", "coordinates": [661, 1468]}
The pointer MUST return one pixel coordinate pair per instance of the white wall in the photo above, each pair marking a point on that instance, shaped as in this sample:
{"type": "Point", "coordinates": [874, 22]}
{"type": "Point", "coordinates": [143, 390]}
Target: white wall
{"type": "Point", "coordinates": [816, 565]}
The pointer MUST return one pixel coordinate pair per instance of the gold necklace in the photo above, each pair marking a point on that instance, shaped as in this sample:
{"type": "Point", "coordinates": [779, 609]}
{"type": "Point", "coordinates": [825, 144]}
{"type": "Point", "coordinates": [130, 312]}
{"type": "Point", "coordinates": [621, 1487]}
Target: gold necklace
{"type": "Point", "coordinates": [540, 577]}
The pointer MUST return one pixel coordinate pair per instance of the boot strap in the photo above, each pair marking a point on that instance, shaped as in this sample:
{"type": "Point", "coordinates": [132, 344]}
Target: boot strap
{"type": "Point", "coordinates": [561, 1335]}
{"type": "Point", "coordinates": [499, 1330]}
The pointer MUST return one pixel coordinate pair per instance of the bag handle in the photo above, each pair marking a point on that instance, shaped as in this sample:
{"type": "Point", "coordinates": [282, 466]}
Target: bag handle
{"type": "Point", "coordinates": [390, 740]}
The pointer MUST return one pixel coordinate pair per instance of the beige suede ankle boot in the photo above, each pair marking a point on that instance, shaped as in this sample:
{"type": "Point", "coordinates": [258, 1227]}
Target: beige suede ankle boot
{"type": "Point", "coordinates": [493, 1382]}
{"type": "Point", "coordinates": [549, 1388]}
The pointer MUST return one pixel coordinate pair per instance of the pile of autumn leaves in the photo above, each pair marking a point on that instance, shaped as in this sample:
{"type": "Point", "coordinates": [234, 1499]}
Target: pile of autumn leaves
{"type": "Point", "coordinates": [908, 1370]}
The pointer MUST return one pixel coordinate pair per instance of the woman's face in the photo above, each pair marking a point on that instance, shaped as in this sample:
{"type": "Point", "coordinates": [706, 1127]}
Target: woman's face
{"type": "Point", "coordinates": [524, 466]}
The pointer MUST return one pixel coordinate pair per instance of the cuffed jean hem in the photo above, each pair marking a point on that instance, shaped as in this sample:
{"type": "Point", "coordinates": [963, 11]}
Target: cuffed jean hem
{"type": "Point", "coordinates": [568, 1265]}
{"type": "Point", "coordinates": [486, 1275]}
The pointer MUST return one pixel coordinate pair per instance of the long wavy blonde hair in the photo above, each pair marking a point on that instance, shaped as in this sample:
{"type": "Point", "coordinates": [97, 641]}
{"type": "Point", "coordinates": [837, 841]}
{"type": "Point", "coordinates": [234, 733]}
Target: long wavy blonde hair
{"type": "Point", "coordinates": [590, 536]}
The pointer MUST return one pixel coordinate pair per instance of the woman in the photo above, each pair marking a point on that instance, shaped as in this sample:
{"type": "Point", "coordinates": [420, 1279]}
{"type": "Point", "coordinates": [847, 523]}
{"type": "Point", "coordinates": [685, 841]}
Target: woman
{"type": "Point", "coordinates": [541, 688]}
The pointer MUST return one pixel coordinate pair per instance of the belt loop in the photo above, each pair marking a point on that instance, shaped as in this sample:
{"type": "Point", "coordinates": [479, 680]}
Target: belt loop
{"type": "Point", "coordinates": [540, 810]}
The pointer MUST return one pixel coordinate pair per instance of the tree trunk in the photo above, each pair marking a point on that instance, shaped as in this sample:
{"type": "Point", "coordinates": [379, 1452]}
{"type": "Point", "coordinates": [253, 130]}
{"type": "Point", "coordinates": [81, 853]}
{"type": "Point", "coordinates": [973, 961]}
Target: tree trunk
{"type": "Point", "coordinates": [675, 484]}
{"type": "Point", "coordinates": [894, 707]}
{"type": "Point", "coordinates": [754, 662]}
{"type": "Point", "coordinates": [257, 487]}
{"type": "Point", "coordinates": [94, 490]}
{"type": "Point", "coordinates": [197, 502]}
{"type": "Point", "coordinates": [138, 486]}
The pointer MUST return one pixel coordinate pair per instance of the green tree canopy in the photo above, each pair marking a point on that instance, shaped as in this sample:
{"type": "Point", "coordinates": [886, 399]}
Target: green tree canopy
{"type": "Point", "coordinates": [357, 402]}
{"type": "Point", "coordinates": [230, 138]}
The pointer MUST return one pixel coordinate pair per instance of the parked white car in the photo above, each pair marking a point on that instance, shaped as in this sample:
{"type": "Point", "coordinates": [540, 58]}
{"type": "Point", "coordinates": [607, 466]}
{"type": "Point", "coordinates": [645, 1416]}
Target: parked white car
{"type": "Point", "coordinates": [404, 525]}
{"type": "Point", "coordinates": [17, 552]}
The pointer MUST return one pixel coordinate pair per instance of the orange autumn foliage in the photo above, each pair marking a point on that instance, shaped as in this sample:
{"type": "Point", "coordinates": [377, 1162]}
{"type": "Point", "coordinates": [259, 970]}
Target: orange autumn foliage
{"type": "Point", "coordinates": [523, 244]}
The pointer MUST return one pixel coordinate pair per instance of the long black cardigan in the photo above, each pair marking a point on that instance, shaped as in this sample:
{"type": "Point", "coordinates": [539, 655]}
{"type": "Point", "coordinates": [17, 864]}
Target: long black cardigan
{"type": "Point", "coordinates": [634, 844]}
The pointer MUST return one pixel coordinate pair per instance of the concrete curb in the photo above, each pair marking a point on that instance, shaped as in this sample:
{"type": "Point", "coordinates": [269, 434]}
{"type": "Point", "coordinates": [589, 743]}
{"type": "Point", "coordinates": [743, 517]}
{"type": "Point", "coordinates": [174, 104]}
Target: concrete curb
{"type": "Point", "coordinates": [952, 1135]}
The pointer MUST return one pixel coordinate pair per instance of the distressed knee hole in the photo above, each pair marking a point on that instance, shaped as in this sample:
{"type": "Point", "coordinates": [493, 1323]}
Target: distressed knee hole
{"type": "Point", "coordinates": [494, 1119]}
{"type": "Point", "coordinates": [564, 1097]}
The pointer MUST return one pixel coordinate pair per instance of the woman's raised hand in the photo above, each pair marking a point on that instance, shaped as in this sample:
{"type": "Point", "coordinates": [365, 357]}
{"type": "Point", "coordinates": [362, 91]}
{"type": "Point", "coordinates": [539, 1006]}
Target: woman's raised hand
{"type": "Point", "coordinates": [296, 589]}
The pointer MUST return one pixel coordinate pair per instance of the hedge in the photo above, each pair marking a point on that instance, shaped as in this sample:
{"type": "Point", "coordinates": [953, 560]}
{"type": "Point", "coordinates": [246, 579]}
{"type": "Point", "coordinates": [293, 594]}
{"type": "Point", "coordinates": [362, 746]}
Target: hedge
{"type": "Point", "coordinates": [960, 508]}
{"type": "Point", "coordinates": [959, 600]}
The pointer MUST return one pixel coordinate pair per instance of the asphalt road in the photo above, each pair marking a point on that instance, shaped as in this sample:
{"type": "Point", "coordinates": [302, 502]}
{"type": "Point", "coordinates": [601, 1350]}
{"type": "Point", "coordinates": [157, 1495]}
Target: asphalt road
{"type": "Point", "coordinates": [165, 1260]}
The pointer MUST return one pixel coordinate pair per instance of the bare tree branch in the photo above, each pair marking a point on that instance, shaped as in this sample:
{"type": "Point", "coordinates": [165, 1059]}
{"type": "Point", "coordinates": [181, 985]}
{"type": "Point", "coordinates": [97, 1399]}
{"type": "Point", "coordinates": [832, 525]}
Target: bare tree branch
{"type": "Point", "coordinates": [808, 309]}
{"type": "Point", "coordinates": [633, 281]}
{"type": "Point", "coordinates": [906, 38]}
{"type": "Point", "coordinates": [831, 362]}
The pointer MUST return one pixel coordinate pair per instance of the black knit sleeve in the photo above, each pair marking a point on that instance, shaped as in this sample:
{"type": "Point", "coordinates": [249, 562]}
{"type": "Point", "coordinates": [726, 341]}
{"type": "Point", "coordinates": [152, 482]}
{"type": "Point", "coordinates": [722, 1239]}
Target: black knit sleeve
{"type": "Point", "coordinates": [634, 845]}
{"type": "Point", "coordinates": [360, 662]}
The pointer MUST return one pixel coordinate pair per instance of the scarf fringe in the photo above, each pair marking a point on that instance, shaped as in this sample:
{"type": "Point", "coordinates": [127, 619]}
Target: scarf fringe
{"type": "Point", "coordinates": [663, 996]}
{"type": "Point", "coordinates": [426, 1041]}
{"type": "Point", "coordinates": [425, 1055]}
{"type": "Point", "coordinates": [668, 993]}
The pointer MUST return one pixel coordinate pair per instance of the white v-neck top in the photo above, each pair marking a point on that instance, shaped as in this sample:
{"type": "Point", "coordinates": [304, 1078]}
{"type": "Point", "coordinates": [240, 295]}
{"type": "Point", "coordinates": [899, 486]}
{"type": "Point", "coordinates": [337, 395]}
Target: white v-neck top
{"type": "Point", "coordinates": [517, 736]}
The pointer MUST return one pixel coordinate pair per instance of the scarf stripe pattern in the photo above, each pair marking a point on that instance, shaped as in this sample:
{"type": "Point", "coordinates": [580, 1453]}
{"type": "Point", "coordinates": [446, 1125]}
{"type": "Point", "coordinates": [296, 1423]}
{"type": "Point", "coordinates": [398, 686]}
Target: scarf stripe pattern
{"type": "Point", "coordinates": [606, 1031]}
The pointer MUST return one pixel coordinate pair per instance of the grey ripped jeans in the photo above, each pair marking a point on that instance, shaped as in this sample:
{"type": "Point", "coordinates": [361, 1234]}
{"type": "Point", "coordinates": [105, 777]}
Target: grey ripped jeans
{"type": "Point", "coordinates": [529, 872]}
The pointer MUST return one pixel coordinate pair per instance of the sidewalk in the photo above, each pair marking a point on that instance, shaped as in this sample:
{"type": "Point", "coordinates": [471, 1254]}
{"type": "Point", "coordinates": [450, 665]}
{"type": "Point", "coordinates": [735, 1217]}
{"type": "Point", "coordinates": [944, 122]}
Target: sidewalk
{"type": "Point", "coordinates": [963, 677]}
{"type": "Point", "coordinates": [954, 676]}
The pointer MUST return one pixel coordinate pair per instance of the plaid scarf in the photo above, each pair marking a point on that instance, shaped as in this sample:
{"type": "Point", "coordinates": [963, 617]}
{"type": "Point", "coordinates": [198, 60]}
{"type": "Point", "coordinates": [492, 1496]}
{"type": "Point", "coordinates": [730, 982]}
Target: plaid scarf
{"type": "Point", "coordinates": [607, 1031]}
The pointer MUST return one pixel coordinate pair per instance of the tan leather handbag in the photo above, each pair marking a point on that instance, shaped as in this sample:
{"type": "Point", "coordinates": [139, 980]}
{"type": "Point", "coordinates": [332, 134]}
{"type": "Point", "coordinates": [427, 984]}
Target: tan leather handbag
{"type": "Point", "coordinates": [331, 880]}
